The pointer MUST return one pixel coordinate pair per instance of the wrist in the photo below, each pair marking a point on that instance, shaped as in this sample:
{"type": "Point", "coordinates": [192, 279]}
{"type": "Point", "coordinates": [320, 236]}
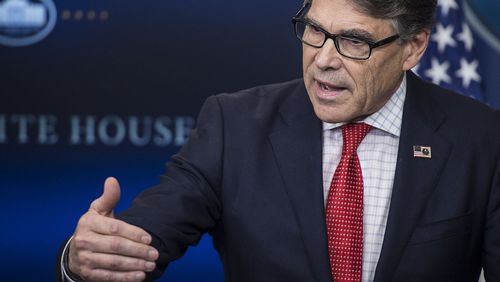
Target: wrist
{"type": "Point", "coordinates": [65, 269]}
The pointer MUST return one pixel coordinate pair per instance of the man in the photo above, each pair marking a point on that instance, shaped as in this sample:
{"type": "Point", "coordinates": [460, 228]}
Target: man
{"type": "Point", "coordinates": [269, 173]}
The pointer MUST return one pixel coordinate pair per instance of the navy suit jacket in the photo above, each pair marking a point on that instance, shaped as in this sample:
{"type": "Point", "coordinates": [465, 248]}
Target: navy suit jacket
{"type": "Point", "coordinates": [251, 175]}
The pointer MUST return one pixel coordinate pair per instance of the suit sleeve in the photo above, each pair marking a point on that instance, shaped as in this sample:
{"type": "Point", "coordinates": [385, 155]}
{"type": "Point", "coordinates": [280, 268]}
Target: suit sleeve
{"type": "Point", "coordinates": [186, 203]}
{"type": "Point", "coordinates": [491, 247]}
{"type": "Point", "coordinates": [491, 243]}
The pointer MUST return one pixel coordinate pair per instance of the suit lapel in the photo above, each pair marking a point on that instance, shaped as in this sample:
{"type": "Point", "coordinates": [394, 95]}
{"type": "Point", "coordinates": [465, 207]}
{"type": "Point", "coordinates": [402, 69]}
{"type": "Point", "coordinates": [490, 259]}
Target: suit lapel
{"type": "Point", "coordinates": [415, 177]}
{"type": "Point", "coordinates": [297, 145]}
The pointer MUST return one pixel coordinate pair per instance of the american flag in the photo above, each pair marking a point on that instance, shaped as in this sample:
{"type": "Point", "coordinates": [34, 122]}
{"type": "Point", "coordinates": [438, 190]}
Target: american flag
{"type": "Point", "coordinates": [449, 60]}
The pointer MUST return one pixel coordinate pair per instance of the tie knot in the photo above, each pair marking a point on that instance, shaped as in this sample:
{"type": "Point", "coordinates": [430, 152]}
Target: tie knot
{"type": "Point", "coordinates": [352, 135]}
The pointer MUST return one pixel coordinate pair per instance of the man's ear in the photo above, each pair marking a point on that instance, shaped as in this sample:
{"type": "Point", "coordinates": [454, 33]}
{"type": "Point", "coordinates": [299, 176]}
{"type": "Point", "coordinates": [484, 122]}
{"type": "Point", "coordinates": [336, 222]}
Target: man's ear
{"type": "Point", "coordinates": [414, 49]}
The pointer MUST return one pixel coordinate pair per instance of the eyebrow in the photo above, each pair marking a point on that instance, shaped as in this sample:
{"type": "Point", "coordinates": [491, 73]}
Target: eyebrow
{"type": "Point", "coordinates": [313, 21]}
{"type": "Point", "coordinates": [354, 33]}
{"type": "Point", "coordinates": [358, 33]}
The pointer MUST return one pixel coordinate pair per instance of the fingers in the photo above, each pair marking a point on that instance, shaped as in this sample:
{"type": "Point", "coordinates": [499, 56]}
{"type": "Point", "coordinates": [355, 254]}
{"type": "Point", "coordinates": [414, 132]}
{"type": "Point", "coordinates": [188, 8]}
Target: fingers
{"type": "Point", "coordinates": [105, 204]}
{"type": "Point", "coordinates": [107, 249]}
{"type": "Point", "coordinates": [97, 275]}
{"type": "Point", "coordinates": [95, 223]}
{"type": "Point", "coordinates": [114, 262]}
{"type": "Point", "coordinates": [114, 245]}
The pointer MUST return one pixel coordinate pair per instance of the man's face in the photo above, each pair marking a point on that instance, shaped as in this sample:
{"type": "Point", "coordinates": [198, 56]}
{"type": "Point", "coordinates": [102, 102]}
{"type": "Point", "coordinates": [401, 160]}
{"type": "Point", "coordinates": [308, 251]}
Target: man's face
{"type": "Point", "coordinates": [343, 89]}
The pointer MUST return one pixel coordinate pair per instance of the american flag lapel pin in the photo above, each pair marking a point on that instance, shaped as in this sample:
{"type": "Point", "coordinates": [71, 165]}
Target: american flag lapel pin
{"type": "Point", "coordinates": [422, 151]}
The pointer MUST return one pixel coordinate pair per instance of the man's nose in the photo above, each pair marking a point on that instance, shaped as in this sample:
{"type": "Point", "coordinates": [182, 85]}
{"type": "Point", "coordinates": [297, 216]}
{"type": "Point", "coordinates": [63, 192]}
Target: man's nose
{"type": "Point", "coordinates": [328, 56]}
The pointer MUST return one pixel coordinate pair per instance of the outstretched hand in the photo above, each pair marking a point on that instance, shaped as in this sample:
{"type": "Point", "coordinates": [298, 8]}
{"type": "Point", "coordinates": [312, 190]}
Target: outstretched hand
{"type": "Point", "coordinates": [106, 249]}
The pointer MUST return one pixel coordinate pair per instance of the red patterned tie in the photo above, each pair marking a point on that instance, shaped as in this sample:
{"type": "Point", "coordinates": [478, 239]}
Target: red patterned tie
{"type": "Point", "coordinates": [344, 209]}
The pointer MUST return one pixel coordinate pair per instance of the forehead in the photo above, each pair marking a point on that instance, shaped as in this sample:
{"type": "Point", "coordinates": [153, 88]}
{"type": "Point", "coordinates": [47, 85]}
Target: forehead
{"type": "Point", "coordinates": [341, 15]}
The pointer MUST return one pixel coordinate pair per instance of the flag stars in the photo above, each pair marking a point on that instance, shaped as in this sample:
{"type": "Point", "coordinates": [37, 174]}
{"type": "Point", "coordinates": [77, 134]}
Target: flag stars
{"type": "Point", "coordinates": [466, 37]}
{"type": "Point", "coordinates": [450, 60]}
{"type": "Point", "coordinates": [447, 5]}
{"type": "Point", "coordinates": [443, 37]}
{"type": "Point", "coordinates": [468, 72]}
{"type": "Point", "coordinates": [438, 72]}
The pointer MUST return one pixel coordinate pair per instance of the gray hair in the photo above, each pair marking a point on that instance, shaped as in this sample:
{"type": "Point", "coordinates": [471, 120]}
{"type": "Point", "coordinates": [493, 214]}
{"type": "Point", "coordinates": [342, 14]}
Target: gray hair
{"type": "Point", "coordinates": [409, 17]}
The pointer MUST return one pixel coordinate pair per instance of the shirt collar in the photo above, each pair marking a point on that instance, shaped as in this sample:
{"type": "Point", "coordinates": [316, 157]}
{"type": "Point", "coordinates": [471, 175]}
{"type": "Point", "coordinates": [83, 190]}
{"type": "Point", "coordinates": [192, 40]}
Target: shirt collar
{"type": "Point", "coordinates": [388, 118]}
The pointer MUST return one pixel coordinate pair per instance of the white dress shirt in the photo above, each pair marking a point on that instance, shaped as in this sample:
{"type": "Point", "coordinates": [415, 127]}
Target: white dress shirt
{"type": "Point", "coordinates": [377, 155]}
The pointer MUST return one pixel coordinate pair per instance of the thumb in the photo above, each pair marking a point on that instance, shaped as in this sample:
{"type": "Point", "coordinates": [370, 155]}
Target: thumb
{"type": "Point", "coordinates": [105, 204]}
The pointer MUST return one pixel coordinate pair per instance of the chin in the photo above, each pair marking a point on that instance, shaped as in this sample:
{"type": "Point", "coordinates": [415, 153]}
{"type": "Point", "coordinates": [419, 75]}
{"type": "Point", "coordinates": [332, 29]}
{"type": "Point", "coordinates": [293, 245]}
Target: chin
{"type": "Point", "coordinates": [327, 116]}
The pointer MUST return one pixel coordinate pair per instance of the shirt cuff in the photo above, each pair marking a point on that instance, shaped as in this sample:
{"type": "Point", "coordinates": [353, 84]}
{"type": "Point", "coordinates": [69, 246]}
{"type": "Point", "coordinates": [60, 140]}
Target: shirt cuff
{"type": "Point", "coordinates": [64, 262]}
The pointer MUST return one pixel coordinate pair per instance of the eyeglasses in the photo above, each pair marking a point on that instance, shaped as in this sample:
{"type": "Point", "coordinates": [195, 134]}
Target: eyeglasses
{"type": "Point", "coordinates": [347, 46]}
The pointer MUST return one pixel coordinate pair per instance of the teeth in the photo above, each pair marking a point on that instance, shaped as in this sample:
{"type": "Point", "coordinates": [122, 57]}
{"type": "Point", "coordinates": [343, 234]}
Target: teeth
{"type": "Point", "coordinates": [325, 87]}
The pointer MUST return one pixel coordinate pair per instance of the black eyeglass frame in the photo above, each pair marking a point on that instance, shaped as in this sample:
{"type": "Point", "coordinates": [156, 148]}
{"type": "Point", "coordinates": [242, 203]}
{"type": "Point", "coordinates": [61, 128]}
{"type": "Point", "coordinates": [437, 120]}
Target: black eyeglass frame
{"type": "Point", "coordinates": [299, 18]}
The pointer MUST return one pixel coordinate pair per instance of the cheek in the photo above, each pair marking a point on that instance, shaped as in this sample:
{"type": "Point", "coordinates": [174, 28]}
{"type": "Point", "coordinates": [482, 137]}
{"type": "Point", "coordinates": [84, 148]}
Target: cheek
{"type": "Point", "coordinates": [308, 55]}
{"type": "Point", "coordinates": [380, 82]}
{"type": "Point", "coordinates": [370, 82]}
{"type": "Point", "coordinates": [307, 61]}
{"type": "Point", "coordinates": [376, 80]}
{"type": "Point", "coordinates": [365, 85]}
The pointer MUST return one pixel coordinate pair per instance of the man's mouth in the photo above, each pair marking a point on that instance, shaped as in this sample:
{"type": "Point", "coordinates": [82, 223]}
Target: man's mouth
{"type": "Point", "coordinates": [329, 89]}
